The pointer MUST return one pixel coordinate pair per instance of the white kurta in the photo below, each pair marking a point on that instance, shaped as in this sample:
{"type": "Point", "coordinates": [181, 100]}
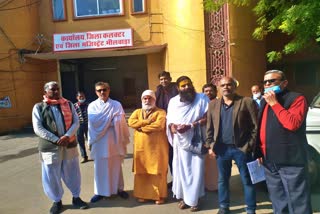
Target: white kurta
{"type": "Point", "coordinates": [62, 163]}
{"type": "Point", "coordinates": [188, 168]}
{"type": "Point", "coordinates": [108, 136]}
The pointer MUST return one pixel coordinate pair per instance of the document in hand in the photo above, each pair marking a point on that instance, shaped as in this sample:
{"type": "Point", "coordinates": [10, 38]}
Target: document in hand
{"type": "Point", "coordinates": [256, 171]}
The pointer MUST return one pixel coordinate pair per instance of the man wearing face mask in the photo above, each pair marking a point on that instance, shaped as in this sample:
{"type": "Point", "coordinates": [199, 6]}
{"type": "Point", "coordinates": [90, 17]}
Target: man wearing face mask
{"type": "Point", "coordinates": [82, 110]}
{"type": "Point", "coordinates": [256, 94]}
{"type": "Point", "coordinates": [283, 145]}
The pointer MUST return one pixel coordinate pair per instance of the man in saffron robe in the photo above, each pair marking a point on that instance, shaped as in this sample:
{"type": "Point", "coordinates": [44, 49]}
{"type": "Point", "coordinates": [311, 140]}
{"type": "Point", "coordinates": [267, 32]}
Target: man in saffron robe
{"type": "Point", "coordinates": [150, 159]}
{"type": "Point", "coordinates": [108, 137]}
{"type": "Point", "coordinates": [186, 110]}
{"type": "Point", "coordinates": [55, 121]}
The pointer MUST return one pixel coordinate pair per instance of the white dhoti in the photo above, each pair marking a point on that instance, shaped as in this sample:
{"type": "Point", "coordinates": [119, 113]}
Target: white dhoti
{"type": "Point", "coordinates": [54, 168]}
{"type": "Point", "coordinates": [108, 177]}
{"type": "Point", "coordinates": [188, 184]}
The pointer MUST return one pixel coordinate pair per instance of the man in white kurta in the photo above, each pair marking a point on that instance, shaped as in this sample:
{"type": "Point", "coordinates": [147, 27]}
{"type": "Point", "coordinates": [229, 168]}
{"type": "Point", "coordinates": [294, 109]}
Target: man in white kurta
{"type": "Point", "coordinates": [186, 110]}
{"type": "Point", "coordinates": [55, 121]}
{"type": "Point", "coordinates": [108, 136]}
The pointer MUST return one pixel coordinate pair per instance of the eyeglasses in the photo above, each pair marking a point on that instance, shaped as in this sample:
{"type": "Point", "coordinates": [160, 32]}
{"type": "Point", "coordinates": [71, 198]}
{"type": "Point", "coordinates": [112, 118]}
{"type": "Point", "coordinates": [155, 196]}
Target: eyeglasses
{"type": "Point", "coordinates": [269, 81]}
{"type": "Point", "coordinates": [227, 84]}
{"type": "Point", "coordinates": [100, 90]}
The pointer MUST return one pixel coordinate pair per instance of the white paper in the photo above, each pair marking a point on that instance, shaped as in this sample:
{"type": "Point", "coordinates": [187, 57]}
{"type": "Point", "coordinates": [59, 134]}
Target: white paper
{"type": "Point", "coordinates": [256, 171]}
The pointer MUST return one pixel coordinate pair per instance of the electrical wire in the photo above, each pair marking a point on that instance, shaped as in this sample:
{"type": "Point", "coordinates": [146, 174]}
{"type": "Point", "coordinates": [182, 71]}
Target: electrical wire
{"type": "Point", "coordinates": [27, 5]}
{"type": "Point", "coordinates": [3, 4]}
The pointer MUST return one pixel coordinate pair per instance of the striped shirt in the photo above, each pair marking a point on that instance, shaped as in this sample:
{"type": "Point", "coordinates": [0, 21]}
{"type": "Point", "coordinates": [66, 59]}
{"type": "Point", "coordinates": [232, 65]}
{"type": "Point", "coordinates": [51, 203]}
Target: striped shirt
{"type": "Point", "coordinates": [82, 111]}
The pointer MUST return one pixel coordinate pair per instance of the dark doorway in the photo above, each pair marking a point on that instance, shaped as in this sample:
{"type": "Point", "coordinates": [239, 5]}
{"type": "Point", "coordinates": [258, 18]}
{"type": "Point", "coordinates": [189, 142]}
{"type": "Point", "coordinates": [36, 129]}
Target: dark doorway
{"type": "Point", "coordinates": [126, 75]}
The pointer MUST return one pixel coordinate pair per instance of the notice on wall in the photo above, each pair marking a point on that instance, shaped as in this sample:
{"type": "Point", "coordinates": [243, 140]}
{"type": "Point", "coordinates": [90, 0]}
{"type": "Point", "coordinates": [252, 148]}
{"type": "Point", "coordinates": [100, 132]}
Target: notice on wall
{"type": "Point", "coordinates": [92, 40]}
{"type": "Point", "coordinates": [5, 102]}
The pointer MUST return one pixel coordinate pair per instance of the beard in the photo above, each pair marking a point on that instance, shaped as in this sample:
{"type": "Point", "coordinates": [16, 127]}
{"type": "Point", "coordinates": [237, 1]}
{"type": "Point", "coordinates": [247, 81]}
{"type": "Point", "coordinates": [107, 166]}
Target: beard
{"type": "Point", "coordinates": [148, 106]}
{"type": "Point", "coordinates": [187, 95]}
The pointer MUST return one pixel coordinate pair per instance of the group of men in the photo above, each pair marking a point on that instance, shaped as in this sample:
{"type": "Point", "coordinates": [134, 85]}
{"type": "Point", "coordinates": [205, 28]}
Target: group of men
{"type": "Point", "coordinates": [166, 129]}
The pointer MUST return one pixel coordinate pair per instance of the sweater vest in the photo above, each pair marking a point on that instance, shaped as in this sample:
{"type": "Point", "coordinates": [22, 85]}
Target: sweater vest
{"type": "Point", "coordinates": [285, 147]}
{"type": "Point", "coordinates": [49, 124]}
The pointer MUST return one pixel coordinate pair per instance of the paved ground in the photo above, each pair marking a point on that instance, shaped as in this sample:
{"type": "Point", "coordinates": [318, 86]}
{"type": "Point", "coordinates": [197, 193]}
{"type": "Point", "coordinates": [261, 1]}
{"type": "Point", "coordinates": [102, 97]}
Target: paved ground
{"type": "Point", "coordinates": [21, 189]}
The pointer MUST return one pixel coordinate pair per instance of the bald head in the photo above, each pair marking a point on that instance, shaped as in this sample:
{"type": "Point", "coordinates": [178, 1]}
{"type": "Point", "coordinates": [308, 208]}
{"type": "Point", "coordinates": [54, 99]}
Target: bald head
{"type": "Point", "coordinates": [227, 86]}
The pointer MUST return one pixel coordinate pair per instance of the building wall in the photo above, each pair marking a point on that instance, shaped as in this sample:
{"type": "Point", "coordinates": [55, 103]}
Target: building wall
{"type": "Point", "coordinates": [183, 30]}
{"type": "Point", "coordinates": [21, 79]}
{"type": "Point", "coordinates": [142, 23]}
{"type": "Point", "coordinates": [247, 56]}
{"type": "Point", "coordinates": [177, 23]}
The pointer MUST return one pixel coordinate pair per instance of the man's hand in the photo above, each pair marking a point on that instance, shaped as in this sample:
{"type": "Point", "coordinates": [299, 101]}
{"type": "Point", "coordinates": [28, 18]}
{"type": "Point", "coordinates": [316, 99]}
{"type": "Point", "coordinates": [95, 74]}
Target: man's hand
{"type": "Point", "coordinates": [211, 154]}
{"type": "Point", "coordinates": [63, 141]}
{"type": "Point", "coordinates": [270, 98]}
{"type": "Point", "coordinates": [183, 128]}
{"type": "Point", "coordinates": [173, 128]}
{"type": "Point", "coordinates": [260, 160]}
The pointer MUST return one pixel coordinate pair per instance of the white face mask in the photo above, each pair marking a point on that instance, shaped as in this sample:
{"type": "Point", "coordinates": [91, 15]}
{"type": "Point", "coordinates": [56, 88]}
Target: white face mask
{"type": "Point", "coordinates": [82, 101]}
{"type": "Point", "coordinates": [257, 95]}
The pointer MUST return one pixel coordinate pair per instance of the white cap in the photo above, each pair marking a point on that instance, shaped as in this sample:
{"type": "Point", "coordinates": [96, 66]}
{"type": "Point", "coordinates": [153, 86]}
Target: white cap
{"type": "Point", "coordinates": [148, 93]}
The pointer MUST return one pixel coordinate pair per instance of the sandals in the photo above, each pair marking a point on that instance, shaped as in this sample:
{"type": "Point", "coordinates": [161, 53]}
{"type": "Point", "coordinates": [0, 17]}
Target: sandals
{"type": "Point", "coordinates": [158, 202]}
{"type": "Point", "coordinates": [194, 208]}
{"type": "Point", "coordinates": [141, 200]}
{"type": "Point", "coordinates": [182, 205]}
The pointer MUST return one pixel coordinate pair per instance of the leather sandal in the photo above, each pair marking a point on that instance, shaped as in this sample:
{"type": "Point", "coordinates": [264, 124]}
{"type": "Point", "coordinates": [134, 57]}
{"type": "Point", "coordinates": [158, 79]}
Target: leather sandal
{"type": "Point", "coordinates": [141, 200]}
{"type": "Point", "coordinates": [194, 208]}
{"type": "Point", "coordinates": [158, 202]}
{"type": "Point", "coordinates": [182, 205]}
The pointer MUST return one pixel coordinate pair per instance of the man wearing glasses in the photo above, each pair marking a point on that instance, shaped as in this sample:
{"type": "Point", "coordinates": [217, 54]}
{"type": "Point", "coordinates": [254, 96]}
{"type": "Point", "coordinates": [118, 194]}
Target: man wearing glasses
{"type": "Point", "coordinates": [283, 145]}
{"type": "Point", "coordinates": [108, 137]}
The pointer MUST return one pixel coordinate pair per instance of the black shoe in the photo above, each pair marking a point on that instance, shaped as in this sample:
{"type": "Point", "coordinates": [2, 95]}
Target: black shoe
{"type": "Point", "coordinates": [56, 208]}
{"type": "Point", "coordinates": [78, 203]}
{"type": "Point", "coordinates": [96, 198]}
{"type": "Point", "coordinates": [123, 194]}
{"type": "Point", "coordinates": [84, 160]}
{"type": "Point", "coordinates": [223, 211]}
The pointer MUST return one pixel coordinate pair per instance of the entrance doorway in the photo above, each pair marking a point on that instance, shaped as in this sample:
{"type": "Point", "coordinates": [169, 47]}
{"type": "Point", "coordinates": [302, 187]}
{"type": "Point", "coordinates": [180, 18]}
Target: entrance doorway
{"type": "Point", "coordinates": [127, 76]}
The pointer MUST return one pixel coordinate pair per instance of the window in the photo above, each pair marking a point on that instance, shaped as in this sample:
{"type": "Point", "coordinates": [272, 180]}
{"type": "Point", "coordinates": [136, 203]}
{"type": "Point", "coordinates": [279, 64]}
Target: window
{"type": "Point", "coordinates": [94, 8]}
{"type": "Point", "coordinates": [58, 10]}
{"type": "Point", "coordinates": [138, 6]}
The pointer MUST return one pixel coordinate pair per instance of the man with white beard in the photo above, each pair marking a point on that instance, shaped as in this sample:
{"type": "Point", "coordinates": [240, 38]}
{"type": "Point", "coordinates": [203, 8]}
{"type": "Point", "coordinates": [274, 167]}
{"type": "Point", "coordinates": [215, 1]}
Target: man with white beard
{"type": "Point", "coordinates": [150, 158]}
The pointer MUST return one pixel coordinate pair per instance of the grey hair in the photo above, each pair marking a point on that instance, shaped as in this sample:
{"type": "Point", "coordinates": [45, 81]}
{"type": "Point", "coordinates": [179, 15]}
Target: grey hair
{"type": "Point", "coordinates": [106, 84]}
{"type": "Point", "coordinates": [283, 76]}
{"type": "Point", "coordinates": [48, 84]}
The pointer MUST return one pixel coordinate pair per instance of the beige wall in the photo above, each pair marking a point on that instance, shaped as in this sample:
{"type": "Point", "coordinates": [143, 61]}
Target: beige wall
{"type": "Point", "coordinates": [248, 59]}
{"type": "Point", "coordinates": [20, 79]}
{"type": "Point", "coordinates": [141, 24]}
{"type": "Point", "coordinates": [184, 32]}
{"type": "Point", "coordinates": [177, 23]}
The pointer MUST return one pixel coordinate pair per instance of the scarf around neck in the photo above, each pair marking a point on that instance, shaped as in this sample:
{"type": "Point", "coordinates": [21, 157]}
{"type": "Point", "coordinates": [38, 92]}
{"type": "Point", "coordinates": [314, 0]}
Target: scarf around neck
{"type": "Point", "coordinates": [65, 109]}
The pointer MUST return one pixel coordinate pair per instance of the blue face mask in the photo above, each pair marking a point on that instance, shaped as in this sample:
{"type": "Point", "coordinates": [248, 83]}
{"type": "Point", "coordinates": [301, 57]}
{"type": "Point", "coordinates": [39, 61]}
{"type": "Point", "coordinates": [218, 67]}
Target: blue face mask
{"type": "Point", "coordinates": [275, 88]}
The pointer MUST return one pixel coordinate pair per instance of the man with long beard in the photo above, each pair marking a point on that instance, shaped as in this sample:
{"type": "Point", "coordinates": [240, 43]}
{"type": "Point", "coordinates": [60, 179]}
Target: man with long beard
{"type": "Point", "coordinates": [150, 158]}
{"type": "Point", "coordinates": [185, 111]}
